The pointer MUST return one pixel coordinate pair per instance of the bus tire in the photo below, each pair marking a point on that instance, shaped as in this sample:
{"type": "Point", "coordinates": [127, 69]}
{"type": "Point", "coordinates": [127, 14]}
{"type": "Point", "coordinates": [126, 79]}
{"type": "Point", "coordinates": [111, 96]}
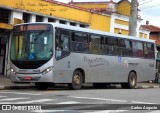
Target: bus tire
{"type": "Point", "coordinates": [41, 86]}
{"type": "Point", "coordinates": [76, 80]}
{"type": "Point", "coordinates": [132, 81]}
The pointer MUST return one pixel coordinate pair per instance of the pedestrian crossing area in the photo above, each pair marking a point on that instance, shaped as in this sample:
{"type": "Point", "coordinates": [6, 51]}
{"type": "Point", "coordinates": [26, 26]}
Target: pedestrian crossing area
{"type": "Point", "coordinates": [71, 105]}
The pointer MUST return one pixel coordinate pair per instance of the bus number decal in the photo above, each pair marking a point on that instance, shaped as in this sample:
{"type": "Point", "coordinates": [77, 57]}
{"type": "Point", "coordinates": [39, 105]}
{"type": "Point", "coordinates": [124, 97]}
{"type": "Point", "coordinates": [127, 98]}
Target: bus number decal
{"type": "Point", "coordinates": [119, 59]}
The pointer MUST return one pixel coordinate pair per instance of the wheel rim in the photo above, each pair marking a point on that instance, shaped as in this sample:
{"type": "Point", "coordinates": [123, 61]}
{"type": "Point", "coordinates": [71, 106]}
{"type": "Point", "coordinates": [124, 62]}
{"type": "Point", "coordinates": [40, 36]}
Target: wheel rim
{"type": "Point", "coordinates": [132, 81]}
{"type": "Point", "coordinates": [77, 79]}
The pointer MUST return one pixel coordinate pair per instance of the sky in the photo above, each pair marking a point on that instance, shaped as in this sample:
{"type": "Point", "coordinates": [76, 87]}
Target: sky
{"type": "Point", "coordinates": [149, 9]}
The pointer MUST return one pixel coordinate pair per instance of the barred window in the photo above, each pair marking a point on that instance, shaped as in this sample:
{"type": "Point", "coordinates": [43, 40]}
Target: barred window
{"type": "Point", "coordinates": [4, 15]}
{"type": "Point", "coordinates": [26, 17]}
{"type": "Point", "coordinates": [39, 18]}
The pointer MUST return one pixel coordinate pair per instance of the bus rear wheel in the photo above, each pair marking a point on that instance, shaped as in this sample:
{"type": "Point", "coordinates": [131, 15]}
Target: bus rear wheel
{"type": "Point", "coordinates": [132, 81]}
{"type": "Point", "coordinates": [41, 86]}
{"type": "Point", "coordinates": [76, 80]}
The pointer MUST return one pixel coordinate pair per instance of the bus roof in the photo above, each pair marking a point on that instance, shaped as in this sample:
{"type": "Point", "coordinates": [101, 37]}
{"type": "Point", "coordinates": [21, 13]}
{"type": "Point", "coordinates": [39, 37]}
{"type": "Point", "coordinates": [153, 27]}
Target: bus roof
{"type": "Point", "coordinates": [93, 31]}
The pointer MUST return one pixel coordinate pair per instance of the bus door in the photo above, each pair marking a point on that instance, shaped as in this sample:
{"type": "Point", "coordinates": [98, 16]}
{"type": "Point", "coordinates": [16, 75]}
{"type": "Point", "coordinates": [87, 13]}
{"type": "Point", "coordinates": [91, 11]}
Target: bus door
{"type": "Point", "coordinates": [2, 54]}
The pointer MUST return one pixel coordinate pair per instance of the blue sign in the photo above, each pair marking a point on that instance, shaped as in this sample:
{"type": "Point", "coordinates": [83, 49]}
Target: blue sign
{"type": "Point", "coordinates": [31, 56]}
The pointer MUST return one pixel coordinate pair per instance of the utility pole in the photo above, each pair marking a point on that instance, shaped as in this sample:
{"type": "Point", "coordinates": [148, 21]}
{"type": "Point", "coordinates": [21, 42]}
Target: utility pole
{"type": "Point", "coordinates": [133, 18]}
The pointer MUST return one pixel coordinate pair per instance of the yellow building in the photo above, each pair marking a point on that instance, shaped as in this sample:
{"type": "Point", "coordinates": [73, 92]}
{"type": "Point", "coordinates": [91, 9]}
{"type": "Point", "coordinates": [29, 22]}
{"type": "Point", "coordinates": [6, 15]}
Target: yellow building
{"type": "Point", "coordinates": [105, 16]}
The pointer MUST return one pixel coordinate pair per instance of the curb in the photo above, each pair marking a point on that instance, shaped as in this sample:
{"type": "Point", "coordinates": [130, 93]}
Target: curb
{"type": "Point", "coordinates": [2, 87]}
{"type": "Point", "coordinates": [145, 87]}
{"type": "Point", "coordinates": [15, 87]}
{"type": "Point", "coordinates": [32, 87]}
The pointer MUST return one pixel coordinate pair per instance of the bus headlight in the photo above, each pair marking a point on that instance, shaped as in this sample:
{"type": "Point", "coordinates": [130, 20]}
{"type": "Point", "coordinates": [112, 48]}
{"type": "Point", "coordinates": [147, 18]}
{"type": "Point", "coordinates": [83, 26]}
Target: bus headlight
{"type": "Point", "coordinates": [47, 70]}
{"type": "Point", "coordinates": [13, 71]}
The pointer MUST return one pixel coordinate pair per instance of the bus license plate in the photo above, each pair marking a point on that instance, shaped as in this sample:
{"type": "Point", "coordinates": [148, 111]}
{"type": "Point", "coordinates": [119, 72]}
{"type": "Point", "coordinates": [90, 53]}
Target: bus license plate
{"type": "Point", "coordinates": [27, 78]}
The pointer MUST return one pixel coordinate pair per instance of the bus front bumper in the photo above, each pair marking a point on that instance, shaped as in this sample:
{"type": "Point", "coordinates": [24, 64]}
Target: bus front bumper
{"type": "Point", "coordinates": [28, 78]}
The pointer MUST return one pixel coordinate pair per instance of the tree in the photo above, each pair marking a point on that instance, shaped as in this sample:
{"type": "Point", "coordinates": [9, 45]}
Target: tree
{"type": "Point", "coordinates": [133, 18]}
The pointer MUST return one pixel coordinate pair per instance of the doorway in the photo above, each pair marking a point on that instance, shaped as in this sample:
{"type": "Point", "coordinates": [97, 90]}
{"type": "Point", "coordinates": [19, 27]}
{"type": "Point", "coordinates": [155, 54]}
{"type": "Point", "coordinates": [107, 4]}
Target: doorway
{"type": "Point", "coordinates": [2, 54]}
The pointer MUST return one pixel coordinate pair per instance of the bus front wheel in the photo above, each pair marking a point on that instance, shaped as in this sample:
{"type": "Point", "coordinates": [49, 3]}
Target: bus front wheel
{"type": "Point", "coordinates": [76, 80]}
{"type": "Point", "coordinates": [132, 81]}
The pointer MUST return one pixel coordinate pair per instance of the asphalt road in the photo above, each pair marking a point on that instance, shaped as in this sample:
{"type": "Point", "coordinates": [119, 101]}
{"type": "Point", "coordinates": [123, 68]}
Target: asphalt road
{"type": "Point", "coordinates": [63, 100]}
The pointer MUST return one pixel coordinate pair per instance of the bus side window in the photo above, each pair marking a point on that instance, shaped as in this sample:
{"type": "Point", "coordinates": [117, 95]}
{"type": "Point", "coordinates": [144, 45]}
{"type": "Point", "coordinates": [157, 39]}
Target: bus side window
{"type": "Point", "coordinates": [94, 45]}
{"type": "Point", "coordinates": [122, 47]}
{"type": "Point", "coordinates": [106, 43]}
{"type": "Point", "coordinates": [138, 49]}
{"type": "Point", "coordinates": [113, 46]}
{"type": "Point", "coordinates": [102, 46]}
{"type": "Point", "coordinates": [128, 48]}
{"type": "Point", "coordinates": [150, 50]}
{"type": "Point", "coordinates": [62, 43]}
{"type": "Point", "coordinates": [145, 50]}
{"type": "Point", "coordinates": [80, 42]}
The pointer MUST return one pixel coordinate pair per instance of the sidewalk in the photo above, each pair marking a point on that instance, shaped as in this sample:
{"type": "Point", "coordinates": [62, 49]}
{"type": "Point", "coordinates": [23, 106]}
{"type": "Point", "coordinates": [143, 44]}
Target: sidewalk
{"type": "Point", "coordinates": [5, 83]}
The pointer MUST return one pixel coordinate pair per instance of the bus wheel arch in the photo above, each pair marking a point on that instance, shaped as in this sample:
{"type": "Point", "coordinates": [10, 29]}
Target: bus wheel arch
{"type": "Point", "coordinates": [132, 80]}
{"type": "Point", "coordinates": [77, 79]}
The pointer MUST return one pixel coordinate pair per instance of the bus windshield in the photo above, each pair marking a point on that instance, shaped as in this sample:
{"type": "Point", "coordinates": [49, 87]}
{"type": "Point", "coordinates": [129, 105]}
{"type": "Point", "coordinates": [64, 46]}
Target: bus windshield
{"type": "Point", "coordinates": [32, 42]}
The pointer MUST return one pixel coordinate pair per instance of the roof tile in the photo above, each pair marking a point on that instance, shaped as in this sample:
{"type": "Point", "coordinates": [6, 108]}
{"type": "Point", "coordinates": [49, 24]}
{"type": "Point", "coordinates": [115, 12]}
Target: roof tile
{"type": "Point", "coordinates": [152, 28]}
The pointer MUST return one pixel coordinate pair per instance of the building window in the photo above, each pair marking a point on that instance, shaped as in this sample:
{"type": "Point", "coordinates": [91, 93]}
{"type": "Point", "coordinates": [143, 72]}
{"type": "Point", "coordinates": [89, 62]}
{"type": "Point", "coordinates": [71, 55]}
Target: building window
{"type": "Point", "coordinates": [62, 22]}
{"type": "Point", "coordinates": [82, 25]}
{"type": "Point", "coordinates": [51, 20]}
{"type": "Point", "coordinates": [72, 24]}
{"type": "Point", "coordinates": [26, 17]}
{"type": "Point", "coordinates": [4, 15]}
{"type": "Point", "coordinates": [39, 18]}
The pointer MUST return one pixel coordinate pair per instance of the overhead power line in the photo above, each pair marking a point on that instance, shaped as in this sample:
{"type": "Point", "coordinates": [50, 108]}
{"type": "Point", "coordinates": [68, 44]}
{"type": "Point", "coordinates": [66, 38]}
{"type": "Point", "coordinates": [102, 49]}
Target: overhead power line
{"type": "Point", "coordinates": [141, 0]}
{"type": "Point", "coordinates": [153, 6]}
{"type": "Point", "coordinates": [146, 2]}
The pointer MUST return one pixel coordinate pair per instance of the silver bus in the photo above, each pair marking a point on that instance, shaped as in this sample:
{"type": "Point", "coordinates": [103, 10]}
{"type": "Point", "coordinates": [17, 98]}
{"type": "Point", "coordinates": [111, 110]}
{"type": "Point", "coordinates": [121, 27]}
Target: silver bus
{"type": "Point", "coordinates": [49, 53]}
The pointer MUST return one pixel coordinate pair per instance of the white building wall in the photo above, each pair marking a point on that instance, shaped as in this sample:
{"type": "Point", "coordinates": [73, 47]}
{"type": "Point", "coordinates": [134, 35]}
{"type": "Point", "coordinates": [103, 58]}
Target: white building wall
{"type": "Point", "coordinates": [33, 18]}
{"type": "Point", "coordinates": [118, 26]}
{"type": "Point", "coordinates": [112, 24]}
{"type": "Point", "coordinates": [45, 19]}
{"type": "Point", "coordinates": [16, 14]}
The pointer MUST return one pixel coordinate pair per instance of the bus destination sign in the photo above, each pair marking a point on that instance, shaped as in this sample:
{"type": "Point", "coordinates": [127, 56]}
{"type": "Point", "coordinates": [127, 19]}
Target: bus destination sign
{"type": "Point", "coordinates": [32, 27]}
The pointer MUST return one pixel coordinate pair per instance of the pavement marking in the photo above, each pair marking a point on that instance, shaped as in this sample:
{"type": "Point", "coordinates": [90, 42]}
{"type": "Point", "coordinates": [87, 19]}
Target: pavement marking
{"type": "Point", "coordinates": [52, 111]}
{"type": "Point", "coordinates": [21, 93]}
{"type": "Point", "coordinates": [29, 102]}
{"type": "Point", "coordinates": [99, 99]}
{"type": "Point", "coordinates": [138, 102]}
{"type": "Point", "coordinates": [107, 111]}
{"type": "Point", "coordinates": [11, 99]}
{"type": "Point", "coordinates": [68, 102]}
{"type": "Point", "coordinates": [3, 96]}
{"type": "Point", "coordinates": [157, 111]}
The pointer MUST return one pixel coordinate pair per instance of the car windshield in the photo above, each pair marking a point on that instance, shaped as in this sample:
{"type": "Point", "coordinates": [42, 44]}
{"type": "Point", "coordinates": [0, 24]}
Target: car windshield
{"type": "Point", "coordinates": [32, 45]}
